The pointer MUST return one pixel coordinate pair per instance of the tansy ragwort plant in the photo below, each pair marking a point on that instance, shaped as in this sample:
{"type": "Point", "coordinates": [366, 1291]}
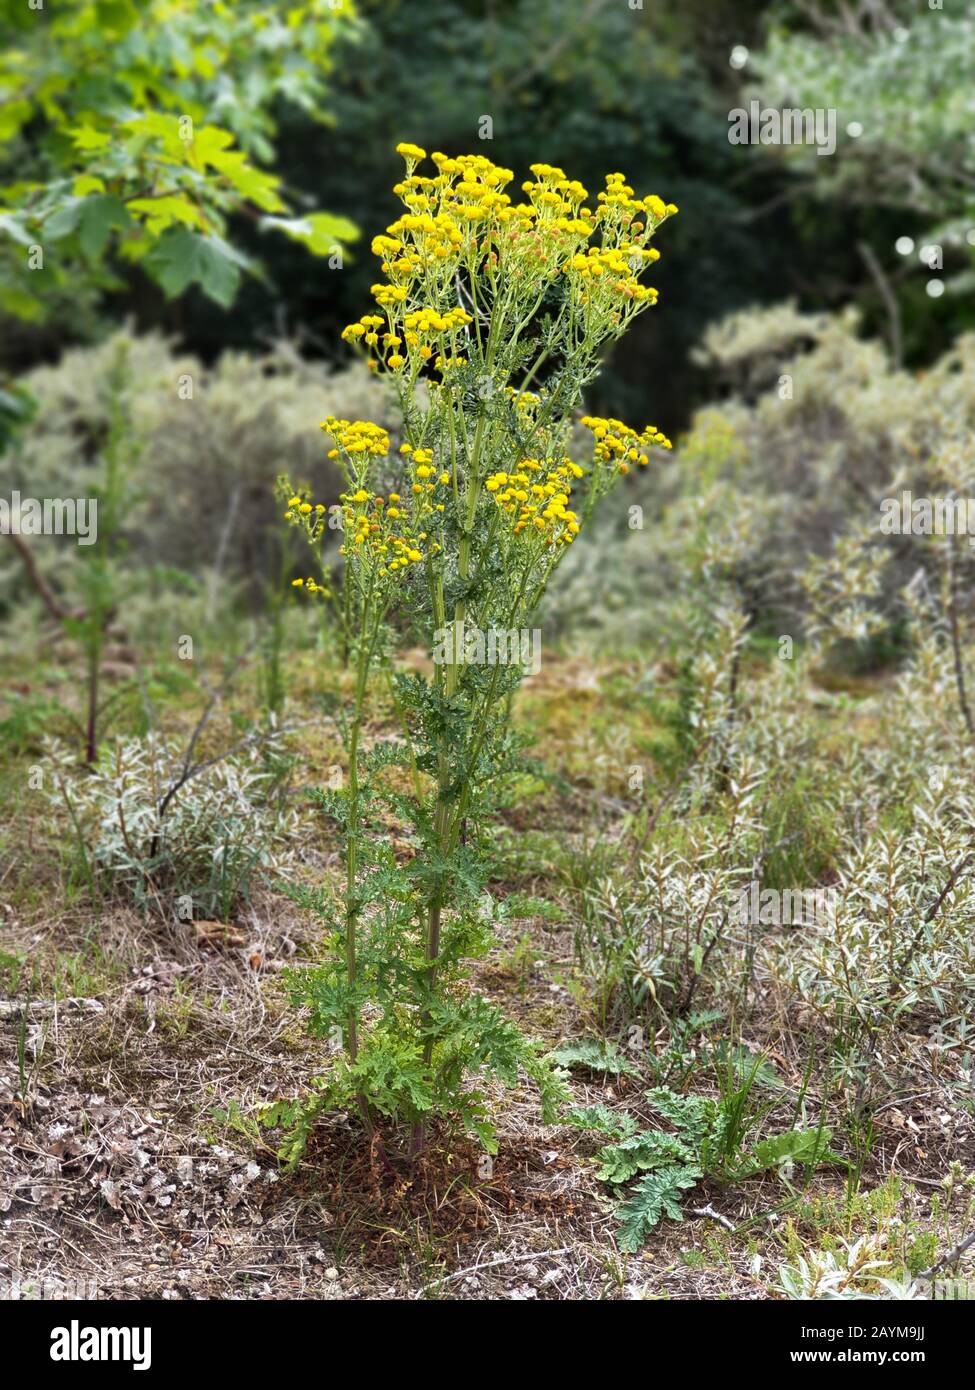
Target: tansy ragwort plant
{"type": "Point", "coordinates": [490, 323]}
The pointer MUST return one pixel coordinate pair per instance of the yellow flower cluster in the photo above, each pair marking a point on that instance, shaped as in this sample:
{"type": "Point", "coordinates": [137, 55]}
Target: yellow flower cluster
{"type": "Point", "coordinates": [417, 240]}
{"type": "Point", "coordinates": [626, 224]}
{"type": "Point", "coordinates": [525, 402]}
{"type": "Point", "coordinates": [462, 217]}
{"type": "Point", "coordinates": [299, 508]}
{"type": "Point", "coordinates": [311, 518]}
{"type": "Point", "coordinates": [381, 534]}
{"type": "Point", "coordinates": [620, 195]}
{"type": "Point", "coordinates": [421, 328]}
{"type": "Point", "coordinates": [552, 189]}
{"type": "Point", "coordinates": [536, 497]}
{"type": "Point", "coordinates": [423, 325]}
{"type": "Point", "coordinates": [426, 479]}
{"type": "Point", "coordinates": [619, 444]}
{"type": "Point", "coordinates": [357, 437]}
{"type": "Point", "coordinates": [443, 221]}
{"type": "Point", "coordinates": [429, 321]}
{"type": "Point", "coordinates": [375, 531]}
{"type": "Point", "coordinates": [618, 268]}
{"type": "Point", "coordinates": [388, 295]}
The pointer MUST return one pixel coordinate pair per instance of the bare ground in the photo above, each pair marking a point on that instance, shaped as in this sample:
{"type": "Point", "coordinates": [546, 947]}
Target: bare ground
{"type": "Point", "coordinates": [118, 1174]}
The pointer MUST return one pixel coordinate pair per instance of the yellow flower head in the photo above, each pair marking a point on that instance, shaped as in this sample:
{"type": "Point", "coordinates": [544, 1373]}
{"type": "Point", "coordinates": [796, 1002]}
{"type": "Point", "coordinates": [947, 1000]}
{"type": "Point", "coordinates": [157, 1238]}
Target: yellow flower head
{"type": "Point", "coordinates": [358, 437]}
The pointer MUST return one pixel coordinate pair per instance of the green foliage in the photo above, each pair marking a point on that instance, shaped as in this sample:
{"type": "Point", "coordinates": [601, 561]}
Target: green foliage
{"type": "Point", "coordinates": [772, 515]}
{"type": "Point", "coordinates": [801, 830]}
{"type": "Point", "coordinates": [788, 772]}
{"type": "Point", "coordinates": [638, 1153]}
{"type": "Point", "coordinates": [706, 1140]}
{"type": "Point", "coordinates": [17, 407]}
{"type": "Point", "coordinates": [28, 718]}
{"type": "Point", "coordinates": [655, 1196]}
{"type": "Point", "coordinates": [694, 1116]}
{"type": "Point", "coordinates": [100, 580]}
{"type": "Point", "coordinates": [862, 1269]}
{"type": "Point", "coordinates": [809, 1146]}
{"type": "Point", "coordinates": [414, 1061]}
{"type": "Point", "coordinates": [297, 1119]}
{"type": "Point", "coordinates": [740, 1064]}
{"type": "Point", "coordinates": [470, 1039]}
{"type": "Point", "coordinates": [595, 1054]}
{"type": "Point", "coordinates": [149, 163]}
{"type": "Point", "coordinates": [199, 524]}
{"type": "Point", "coordinates": [619, 1124]}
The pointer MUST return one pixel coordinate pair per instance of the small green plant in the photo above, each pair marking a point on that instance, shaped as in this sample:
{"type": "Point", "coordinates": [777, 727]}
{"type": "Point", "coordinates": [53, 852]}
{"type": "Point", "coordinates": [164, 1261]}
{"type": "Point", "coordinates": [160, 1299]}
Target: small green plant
{"type": "Point", "coordinates": [492, 321]}
{"type": "Point", "coordinates": [860, 1270]}
{"type": "Point", "coordinates": [272, 677]}
{"type": "Point", "coordinates": [99, 581]}
{"type": "Point", "coordinates": [102, 585]}
{"type": "Point", "coordinates": [11, 971]}
{"type": "Point", "coordinates": [29, 718]}
{"type": "Point", "coordinates": [595, 1054]}
{"type": "Point", "coordinates": [190, 840]}
{"type": "Point", "coordinates": [679, 1059]}
{"type": "Point", "coordinates": [706, 1139]}
{"type": "Point", "coordinates": [521, 958]}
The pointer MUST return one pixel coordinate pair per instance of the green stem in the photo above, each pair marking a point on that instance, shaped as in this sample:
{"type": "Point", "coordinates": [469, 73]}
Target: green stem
{"type": "Point", "coordinates": [366, 649]}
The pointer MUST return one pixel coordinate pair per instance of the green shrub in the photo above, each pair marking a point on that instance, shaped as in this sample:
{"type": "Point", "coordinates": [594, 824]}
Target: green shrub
{"type": "Point", "coordinates": [189, 850]}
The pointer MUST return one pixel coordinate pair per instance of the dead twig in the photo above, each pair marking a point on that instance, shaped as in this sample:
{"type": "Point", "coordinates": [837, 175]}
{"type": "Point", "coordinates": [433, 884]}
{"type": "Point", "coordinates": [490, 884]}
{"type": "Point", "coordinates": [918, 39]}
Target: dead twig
{"type": "Point", "coordinates": [50, 599]}
{"type": "Point", "coordinates": [714, 1215]}
{"type": "Point", "coordinates": [493, 1264]}
{"type": "Point", "coordinates": [952, 1258]}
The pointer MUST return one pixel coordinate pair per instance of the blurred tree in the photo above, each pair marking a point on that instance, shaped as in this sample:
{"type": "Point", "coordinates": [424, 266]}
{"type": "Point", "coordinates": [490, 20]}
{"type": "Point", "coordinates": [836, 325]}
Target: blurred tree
{"type": "Point", "coordinates": [130, 131]}
{"type": "Point", "coordinates": [901, 79]}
